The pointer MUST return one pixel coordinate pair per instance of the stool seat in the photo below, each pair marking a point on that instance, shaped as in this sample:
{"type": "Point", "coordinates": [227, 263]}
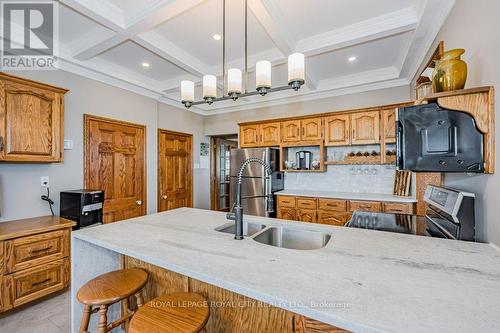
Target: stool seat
{"type": "Point", "coordinates": [109, 288]}
{"type": "Point", "coordinates": [174, 313]}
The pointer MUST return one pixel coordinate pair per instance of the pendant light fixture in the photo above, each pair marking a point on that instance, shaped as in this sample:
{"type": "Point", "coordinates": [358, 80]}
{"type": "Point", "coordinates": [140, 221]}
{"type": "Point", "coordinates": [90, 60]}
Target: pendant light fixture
{"type": "Point", "coordinates": [234, 77]}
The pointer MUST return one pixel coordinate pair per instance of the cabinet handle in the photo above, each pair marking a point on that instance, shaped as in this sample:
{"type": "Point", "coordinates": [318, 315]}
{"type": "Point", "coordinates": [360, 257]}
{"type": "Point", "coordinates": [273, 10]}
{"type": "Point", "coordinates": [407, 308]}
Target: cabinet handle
{"type": "Point", "coordinates": [164, 196]}
{"type": "Point", "coordinates": [139, 202]}
{"type": "Point", "coordinates": [41, 250]}
{"type": "Point", "coordinates": [40, 282]}
{"type": "Point", "coordinates": [1, 143]}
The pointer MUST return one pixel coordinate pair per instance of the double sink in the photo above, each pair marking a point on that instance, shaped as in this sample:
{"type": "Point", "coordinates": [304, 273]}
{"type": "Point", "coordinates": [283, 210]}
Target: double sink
{"type": "Point", "coordinates": [280, 236]}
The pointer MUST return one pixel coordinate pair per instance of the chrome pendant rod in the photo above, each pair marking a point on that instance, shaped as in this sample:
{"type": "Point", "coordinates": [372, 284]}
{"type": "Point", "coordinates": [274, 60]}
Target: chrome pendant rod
{"type": "Point", "coordinates": [223, 48]}
{"type": "Point", "coordinates": [246, 46]}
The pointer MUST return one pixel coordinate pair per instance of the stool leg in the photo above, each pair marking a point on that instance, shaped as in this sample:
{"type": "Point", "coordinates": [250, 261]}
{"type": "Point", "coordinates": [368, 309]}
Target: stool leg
{"type": "Point", "coordinates": [84, 325]}
{"type": "Point", "coordinates": [125, 311]}
{"type": "Point", "coordinates": [140, 300]}
{"type": "Point", "coordinates": [103, 319]}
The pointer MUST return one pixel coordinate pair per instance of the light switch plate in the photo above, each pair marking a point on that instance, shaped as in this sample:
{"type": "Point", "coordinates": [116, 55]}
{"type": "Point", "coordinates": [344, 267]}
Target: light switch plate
{"type": "Point", "coordinates": [68, 144]}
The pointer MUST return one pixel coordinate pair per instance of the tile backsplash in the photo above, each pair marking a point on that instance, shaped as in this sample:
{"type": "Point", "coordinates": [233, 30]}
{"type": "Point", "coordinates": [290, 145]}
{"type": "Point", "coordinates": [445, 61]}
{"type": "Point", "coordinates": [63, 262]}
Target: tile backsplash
{"type": "Point", "coordinates": [345, 178]}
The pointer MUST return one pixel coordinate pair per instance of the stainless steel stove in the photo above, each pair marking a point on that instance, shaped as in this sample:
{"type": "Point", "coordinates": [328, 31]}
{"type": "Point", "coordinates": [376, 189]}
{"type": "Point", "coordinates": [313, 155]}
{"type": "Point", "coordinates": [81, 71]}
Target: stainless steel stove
{"type": "Point", "coordinates": [449, 214]}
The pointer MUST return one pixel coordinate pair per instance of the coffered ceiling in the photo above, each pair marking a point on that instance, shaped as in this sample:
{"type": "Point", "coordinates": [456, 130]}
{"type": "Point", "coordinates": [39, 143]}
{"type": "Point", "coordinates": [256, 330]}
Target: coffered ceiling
{"type": "Point", "coordinates": [110, 40]}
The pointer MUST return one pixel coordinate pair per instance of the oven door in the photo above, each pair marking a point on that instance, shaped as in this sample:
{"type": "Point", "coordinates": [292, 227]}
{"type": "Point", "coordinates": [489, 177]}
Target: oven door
{"type": "Point", "coordinates": [440, 226]}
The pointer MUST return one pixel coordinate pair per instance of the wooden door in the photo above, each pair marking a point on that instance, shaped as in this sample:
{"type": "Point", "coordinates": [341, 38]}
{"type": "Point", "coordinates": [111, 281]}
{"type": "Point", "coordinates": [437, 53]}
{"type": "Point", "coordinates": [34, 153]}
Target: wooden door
{"type": "Point", "coordinates": [270, 134]}
{"type": "Point", "coordinates": [249, 136]}
{"type": "Point", "coordinates": [175, 174]}
{"type": "Point", "coordinates": [115, 161]}
{"type": "Point", "coordinates": [388, 126]}
{"type": "Point", "coordinates": [337, 130]}
{"type": "Point", "coordinates": [307, 215]}
{"type": "Point", "coordinates": [32, 123]}
{"type": "Point", "coordinates": [312, 129]}
{"type": "Point", "coordinates": [285, 213]}
{"type": "Point", "coordinates": [365, 128]}
{"type": "Point", "coordinates": [290, 130]}
{"type": "Point", "coordinates": [333, 218]}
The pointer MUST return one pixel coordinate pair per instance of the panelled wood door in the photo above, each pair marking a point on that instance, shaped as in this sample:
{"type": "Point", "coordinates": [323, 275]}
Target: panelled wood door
{"type": "Point", "coordinates": [365, 128]}
{"type": "Point", "coordinates": [312, 129]}
{"type": "Point", "coordinates": [388, 126]}
{"type": "Point", "coordinates": [115, 162]}
{"type": "Point", "coordinates": [337, 130]}
{"type": "Point", "coordinates": [270, 134]}
{"type": "Point", "coordinates": [31, 119]}
{"type": "Point", "coordinates": [175, 175]}
{"type": "Point", "coordinates": [290, 130]}
{"type": "Point", "coordinates": [249, 136]}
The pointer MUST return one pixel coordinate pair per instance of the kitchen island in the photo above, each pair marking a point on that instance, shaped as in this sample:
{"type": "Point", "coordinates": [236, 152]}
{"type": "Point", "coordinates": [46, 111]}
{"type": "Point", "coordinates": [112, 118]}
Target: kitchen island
{"type": "Point", "coordinates": [362, 280]}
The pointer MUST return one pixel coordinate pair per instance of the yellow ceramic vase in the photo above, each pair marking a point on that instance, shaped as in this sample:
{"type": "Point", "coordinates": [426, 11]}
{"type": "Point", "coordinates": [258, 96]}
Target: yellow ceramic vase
{"type": "Point", "coordinates": [450, 73]}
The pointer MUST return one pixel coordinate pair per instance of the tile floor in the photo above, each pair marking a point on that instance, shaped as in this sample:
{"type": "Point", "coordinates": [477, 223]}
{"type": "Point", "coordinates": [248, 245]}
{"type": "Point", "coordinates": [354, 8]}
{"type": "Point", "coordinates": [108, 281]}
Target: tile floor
{"type": "Point", "coordinates": [49, 316]}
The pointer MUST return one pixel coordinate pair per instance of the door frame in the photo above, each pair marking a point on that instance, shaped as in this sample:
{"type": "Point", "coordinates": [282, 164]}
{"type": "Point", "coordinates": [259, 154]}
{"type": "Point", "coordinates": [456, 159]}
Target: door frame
{"type": "Point", "coordinates": [158, 188]}
{"type": "Point", "coordinates": [86, 141]}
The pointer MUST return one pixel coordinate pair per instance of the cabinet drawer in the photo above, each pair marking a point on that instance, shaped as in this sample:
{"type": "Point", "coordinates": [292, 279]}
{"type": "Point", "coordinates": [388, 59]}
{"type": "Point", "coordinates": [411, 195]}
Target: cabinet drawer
{"type": "Point", "coordinates": [398, 208]}
{"type": "Point", "coordinates": [307, 215]}
{"type": "Point", "coordinates": [307, 203]}
{"type": "Point", "coordinates": [333, 204]}
{"type": "Point", "coordinates": [366, 206]}
{"type": "Point", "coordinates": [26, 252]}
{"type": "Point", "coordinates": [286, 201]}
{"type": "Point", "coordinates": [30, 284]}
{"type": "Point", "coordinates": [333, 218]}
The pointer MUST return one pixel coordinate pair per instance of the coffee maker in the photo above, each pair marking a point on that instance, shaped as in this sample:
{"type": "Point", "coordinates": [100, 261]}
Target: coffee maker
{"type": "Point", "coordinates": [303, 160]}
{"type": "Point", "coordinates": [82, 206]}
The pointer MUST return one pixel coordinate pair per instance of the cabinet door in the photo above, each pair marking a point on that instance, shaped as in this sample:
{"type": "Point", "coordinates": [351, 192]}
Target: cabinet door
{"type": "Point", "coordinates": [365, 128]}
{"type": "Point", "coordinates": [290, 130]}
{"type": "Point", "coordinates": [287, 214]}
{"type": "Point", "coordinates": [312, 129]}
{"type": "Point", "coordinates": [337, 130]}
{"type": "Point", "coordinates": [333, 218]}
{"type": "Point", "coordinates": [249, 136]}
{"type": "Point", "coordinates": [33, 121]}
{"type": "Point", "coordinates": [270, 134]}
{"type": "Point", "coordinates": [307, 215]}
{"type": "Point", "coordinates": [388, 126]}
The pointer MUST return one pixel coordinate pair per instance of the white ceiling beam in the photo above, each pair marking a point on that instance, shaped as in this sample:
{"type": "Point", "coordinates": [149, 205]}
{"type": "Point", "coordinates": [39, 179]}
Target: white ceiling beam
{"type": "Point", "coordinates": [273, 22]}
{"type": "Point", "coordinates": [102, 12]}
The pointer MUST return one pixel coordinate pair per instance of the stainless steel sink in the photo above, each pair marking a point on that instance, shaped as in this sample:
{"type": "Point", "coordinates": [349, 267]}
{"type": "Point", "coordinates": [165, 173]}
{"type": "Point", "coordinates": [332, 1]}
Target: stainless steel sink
{"type": "Point", "coordinates": [249, 228]}
{"type": "Point", "coordinates": [293, 238]}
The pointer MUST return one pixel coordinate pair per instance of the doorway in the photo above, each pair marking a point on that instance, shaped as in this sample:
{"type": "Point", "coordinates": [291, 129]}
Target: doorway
{"type": "Point", "coordinates": [115, 162]}
{"type": "Point", "coordinates": [175, 170]}
{"type": "Point", "coordinates": [220, 170]}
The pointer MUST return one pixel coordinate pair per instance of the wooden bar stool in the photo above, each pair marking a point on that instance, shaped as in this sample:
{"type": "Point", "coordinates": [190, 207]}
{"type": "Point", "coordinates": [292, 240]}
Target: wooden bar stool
{"type": "Point", "coordinates": [106, 289]}
{"type": "Point", "coordinates": [173, 313]}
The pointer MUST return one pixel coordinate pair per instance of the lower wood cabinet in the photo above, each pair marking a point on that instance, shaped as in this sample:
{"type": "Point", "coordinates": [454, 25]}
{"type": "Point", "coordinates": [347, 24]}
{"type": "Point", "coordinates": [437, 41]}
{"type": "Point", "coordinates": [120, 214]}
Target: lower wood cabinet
{"type": "Point", "coordinates": [285, 213]}
{"type": "Point", "coordinates": [333, 218]}
{"type": "Point", "coordinates": [34, 259]}
{"type": "Point", "coordinates": [307, 215]}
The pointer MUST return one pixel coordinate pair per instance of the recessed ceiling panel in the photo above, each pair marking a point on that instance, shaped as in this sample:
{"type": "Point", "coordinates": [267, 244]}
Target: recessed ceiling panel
{"type": "Point", "coordinates": [312, 17]}
{"type": "Point", "coordinates": [194, 29]}
{"type": "Point", "coordinates": [73, 26]}
{"type": "Point", "coordinates": [377, 54]}
{"type": "Point", "coordinates": [131, 6]}
{"type": "Point", "coordinates": [132, 57]}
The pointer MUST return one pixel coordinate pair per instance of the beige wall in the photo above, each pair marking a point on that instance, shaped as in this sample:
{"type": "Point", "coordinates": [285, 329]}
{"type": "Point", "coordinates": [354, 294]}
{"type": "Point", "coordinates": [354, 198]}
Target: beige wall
{"type": "Point", "coordinates": [227, 123]}
{"type": "Point", "coordinates": [474, 25]}
{"type": "Point", "coordinates": [20, 183]}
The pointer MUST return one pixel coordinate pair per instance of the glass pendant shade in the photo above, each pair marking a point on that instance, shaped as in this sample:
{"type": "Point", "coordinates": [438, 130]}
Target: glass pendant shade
{"type": "Point", "coordinates": [234, 81]}
{"type": "Point", "coordinates": [296, 71]}
{"type": "Point", "coordinates": [187, 91]}
{"type": "Point", "coordinates": [263, 74]}
{"type": "Point", "coordinates": [209, 86]}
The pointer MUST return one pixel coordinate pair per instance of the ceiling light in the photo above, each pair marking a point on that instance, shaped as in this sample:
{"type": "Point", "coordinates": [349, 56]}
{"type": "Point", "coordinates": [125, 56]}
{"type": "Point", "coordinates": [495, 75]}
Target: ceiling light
{"type": "Point", "coordinates": [351, 59]}
{"type": "Point", "coordinates": [146, 65]}
{"type": "Point", "coordinates": [232, 79]}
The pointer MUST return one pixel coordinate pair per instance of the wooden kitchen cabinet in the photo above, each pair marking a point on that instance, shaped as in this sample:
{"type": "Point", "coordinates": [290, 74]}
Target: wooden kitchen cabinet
{"type": "Point", "coordinates": [290, 130]}
{"type": "Point", "coordinates": [398, 208]}
{"type": "Point", "coordinates": [31, 121]}
{"type": "Point", "coordinates": [365, 128]}
{"type": "Point", "coordinates": [365, 206]}
{"type": "Point", "coordinates": [337, 130]}
{"type": "Point", "coordinates": [388, 125]}
{"type": "Point", "coordinates": [309, 129]}
{"type": "Point", "coordinates": [285, 213]}
{"type": "Point", "coordinates": [286, 201]}
{"type": "Point", "coordinates": [307, 215]}
{"type": "Point", "coordinates": [260, 135]}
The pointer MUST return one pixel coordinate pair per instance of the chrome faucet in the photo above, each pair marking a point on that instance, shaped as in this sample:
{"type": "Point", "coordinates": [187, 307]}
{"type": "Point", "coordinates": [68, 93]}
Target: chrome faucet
{"type": "Point", "coordinates": [236, 213]}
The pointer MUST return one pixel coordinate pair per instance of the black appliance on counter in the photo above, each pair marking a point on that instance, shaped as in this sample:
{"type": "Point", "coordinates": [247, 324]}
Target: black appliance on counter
{"type": "Point", "coordinates": [82, 206]}
{"type": "Point", "coordinates": [433, 139]}
{"type": "Point", "coordinates": [449, 214]}
{"type": "Point", "coordinates": [303, 160]}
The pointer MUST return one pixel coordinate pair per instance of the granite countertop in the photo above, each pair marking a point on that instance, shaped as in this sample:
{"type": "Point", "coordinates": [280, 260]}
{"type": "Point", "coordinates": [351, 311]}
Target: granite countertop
{"type": "Point", "coordinates": [348, 195]}
{"type": "Point", "coordinates": [363, 280]}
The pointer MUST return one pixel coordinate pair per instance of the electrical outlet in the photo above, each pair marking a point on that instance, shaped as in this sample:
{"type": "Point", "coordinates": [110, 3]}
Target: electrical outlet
{"type": "Point", "coordinates": [44, 181]}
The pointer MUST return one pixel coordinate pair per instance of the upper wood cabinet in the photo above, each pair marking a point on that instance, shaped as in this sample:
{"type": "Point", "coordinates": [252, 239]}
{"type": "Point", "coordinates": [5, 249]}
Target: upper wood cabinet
{"type": "Point", "coordinates": [308, 129]}
{"type": "Point", "coordinates": [31, 121]}
{"type": "Point", "coordinates": [260, 135]}
{"type": "Point", "coordinates": [365, 128]}
{"type": "Point", "coordinates": [388, 125]}
{"type": "Point", "coordinates": [337, 129]}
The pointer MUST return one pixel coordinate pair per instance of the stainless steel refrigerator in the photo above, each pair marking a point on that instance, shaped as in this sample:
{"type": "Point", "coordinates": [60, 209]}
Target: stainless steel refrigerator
{"type": "Point", "coordinates": [253, 184]}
